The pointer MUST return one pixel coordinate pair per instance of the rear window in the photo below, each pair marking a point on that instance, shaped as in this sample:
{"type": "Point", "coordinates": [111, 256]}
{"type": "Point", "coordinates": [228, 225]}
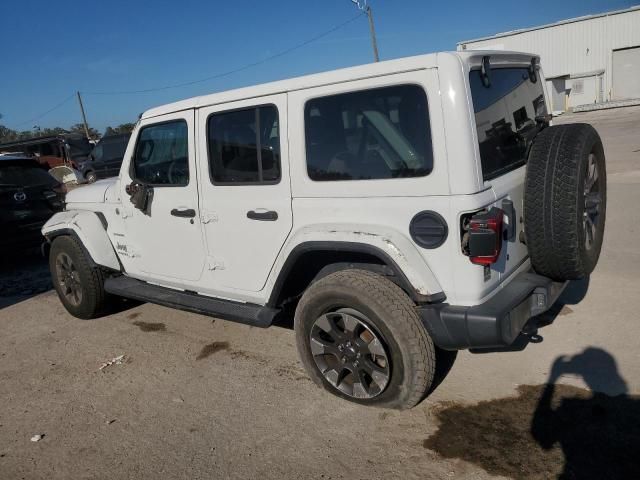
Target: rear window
{"type": "Point", "coordinates": [15, 175]}
{"type": "Point", "coordinates": [368, 135]}
{"type": "Point", "coordinates": [506, 114]}
{"type": "Point", "coordinates": [110, 148]}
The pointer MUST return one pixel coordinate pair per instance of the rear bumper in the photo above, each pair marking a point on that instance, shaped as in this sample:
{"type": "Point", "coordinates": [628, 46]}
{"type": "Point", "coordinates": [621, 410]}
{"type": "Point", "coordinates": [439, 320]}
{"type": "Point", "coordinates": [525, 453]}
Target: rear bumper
{"type": "Point", "coordinates": [495, 323]}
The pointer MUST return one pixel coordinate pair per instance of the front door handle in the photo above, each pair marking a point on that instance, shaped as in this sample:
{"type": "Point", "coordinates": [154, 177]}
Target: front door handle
{"type": "Point", "coordinates": [184, 213]}
{"type": "Point", "coordinates": [269, 216]}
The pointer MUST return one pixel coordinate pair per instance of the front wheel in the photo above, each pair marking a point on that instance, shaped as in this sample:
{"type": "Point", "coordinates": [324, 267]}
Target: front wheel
{"type": "Point", "coordinates": [79, 283]}
{"type": "Point", "coordinates": [360, 337]}
{"type": "Point", "coordinates": [91, 177]}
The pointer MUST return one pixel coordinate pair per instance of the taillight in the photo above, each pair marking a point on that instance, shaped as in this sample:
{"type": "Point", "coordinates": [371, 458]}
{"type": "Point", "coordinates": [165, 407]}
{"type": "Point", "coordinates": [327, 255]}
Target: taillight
{"type": "Point", "coordinates": [485, 237]}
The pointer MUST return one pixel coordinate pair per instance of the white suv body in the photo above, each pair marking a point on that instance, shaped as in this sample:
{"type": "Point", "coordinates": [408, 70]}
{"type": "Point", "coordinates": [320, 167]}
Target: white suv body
{"type": "Point", "coordinates": [225, 254]}
{"type": "Point", "coordinates": [224, 232]}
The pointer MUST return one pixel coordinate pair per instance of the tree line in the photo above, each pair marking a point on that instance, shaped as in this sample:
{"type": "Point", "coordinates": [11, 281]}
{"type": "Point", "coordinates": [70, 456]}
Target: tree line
{"type": "Point", "coordinates": [9, 135]}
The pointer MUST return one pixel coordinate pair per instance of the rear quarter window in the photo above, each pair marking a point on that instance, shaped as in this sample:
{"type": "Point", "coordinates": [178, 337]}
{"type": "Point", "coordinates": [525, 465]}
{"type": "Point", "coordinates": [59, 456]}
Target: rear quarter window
{"type": "Point", "coordinates": [505, 114]}
{"type": "Point", "coordinates": [382, 133]}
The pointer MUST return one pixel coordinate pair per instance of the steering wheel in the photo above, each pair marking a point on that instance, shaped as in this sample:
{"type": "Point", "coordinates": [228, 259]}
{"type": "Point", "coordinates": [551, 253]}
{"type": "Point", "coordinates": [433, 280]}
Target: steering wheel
{"type": "Point", "coordinates": [176, 171]}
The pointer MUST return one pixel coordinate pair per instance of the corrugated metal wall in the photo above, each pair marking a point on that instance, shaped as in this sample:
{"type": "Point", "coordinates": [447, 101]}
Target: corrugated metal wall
{"type": "Point", "coordinates": [573, 48]}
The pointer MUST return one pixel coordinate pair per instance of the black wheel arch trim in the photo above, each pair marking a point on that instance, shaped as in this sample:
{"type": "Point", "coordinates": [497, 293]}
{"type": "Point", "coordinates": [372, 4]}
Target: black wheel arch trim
{"type": "Point", "coordinates": [389, 268]}
{"type": "Point", "coordinates": [50, 236]}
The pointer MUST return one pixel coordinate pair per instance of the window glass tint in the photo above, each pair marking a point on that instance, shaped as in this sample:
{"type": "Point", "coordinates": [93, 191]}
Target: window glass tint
{"type": "Point", "coordinates": [506, 114]}
{"type": "Point", "coordinates": [110, 148]}
{"type": "Point", "coordinates": [372, 134]}
{"type": "Point", "coordinates": [98, 152]}
{"type": "Point", "coordinates": [25, 176]}
{"type": "Point", "coordinates": [244, 146]}
{"type": "Point", "coordinates": [162, 155]}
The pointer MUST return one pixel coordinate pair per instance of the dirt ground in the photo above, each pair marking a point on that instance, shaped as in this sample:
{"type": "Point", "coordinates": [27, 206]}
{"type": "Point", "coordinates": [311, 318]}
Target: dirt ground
{"type": "Point", "coordinates": [193, 397]}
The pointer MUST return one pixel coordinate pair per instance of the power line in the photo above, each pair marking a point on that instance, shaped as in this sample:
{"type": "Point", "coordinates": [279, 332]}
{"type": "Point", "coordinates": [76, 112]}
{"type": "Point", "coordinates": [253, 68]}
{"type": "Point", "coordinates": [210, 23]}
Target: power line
{"type": "Point", "coordinates": [236, 70]}
{"type": "Point", "coordinates": [212, 77]}
{"type": "Point", "coordinates": [47, 112]}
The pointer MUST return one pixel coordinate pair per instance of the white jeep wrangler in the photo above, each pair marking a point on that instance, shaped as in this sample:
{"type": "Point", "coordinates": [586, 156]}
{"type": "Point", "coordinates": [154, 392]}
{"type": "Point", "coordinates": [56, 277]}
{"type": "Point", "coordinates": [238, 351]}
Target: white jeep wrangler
{"type": "Point", "coordinates": [401, 209]}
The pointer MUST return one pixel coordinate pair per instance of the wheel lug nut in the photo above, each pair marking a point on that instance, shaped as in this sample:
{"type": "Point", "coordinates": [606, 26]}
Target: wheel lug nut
{"type": "Point", "coordinates": [344, 359]}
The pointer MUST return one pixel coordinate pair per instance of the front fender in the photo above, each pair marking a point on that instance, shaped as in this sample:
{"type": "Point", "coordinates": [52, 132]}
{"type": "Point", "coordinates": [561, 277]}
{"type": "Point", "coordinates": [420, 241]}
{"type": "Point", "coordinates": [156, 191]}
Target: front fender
{"type": "Point", "coordinates": [392, 244]}
{"type": "Point", "coordinates": [89, 230]}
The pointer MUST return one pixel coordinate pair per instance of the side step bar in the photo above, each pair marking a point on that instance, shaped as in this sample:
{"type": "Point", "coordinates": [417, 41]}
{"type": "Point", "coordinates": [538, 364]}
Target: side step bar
{"type": "Point", "coordinates": [250, 314]}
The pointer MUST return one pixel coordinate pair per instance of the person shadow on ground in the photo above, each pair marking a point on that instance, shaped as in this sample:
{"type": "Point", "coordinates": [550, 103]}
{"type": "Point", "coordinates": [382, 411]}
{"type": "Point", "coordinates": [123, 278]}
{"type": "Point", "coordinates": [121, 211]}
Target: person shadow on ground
{"type": "Point", "coordinates": [597, 432]}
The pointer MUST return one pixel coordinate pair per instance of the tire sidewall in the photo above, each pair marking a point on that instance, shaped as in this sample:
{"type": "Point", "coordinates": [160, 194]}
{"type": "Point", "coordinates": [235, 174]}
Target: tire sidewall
{"type": "Point", "coordinates": [319, 300]}
{"type": "Point", "coordinates": [86, 308]}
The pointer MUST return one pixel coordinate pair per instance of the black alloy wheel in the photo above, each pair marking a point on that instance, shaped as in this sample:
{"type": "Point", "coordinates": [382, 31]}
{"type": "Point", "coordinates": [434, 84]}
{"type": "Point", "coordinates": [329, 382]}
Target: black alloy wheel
{"type": "Point", "coordinates": [349, 354]}
{"type": "Point", "coordinates": [69, 279]}
{"type": "Point", "coordinates": [592, 202]}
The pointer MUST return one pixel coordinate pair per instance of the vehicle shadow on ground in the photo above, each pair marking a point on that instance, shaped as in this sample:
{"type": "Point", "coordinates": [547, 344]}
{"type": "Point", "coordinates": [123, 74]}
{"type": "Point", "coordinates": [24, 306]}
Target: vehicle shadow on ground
{"type": "Point", "coordinates": [551, 430]}
{"type": "Point", "coordinates": [23, 274]}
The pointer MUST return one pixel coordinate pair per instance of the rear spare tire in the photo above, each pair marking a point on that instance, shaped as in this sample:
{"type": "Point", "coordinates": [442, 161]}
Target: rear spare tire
{"type": "Point", "coordinates": [565, 201]}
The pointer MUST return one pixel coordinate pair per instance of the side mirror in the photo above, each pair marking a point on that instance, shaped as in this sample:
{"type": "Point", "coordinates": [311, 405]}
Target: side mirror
{"type": "Point", "coordinates": [485, 72]}
{"type": "Point", "coordinates": [141, 196]}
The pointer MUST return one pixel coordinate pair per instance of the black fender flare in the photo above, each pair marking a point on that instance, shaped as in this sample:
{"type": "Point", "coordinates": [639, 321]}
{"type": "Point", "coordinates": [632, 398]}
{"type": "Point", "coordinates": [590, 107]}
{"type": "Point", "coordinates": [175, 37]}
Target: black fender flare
{"type": "Point", "coordinates": [387, 268]}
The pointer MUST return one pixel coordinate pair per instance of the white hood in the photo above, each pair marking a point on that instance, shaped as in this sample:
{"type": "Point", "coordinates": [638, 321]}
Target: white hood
{"type": "Point", "coordinates": [92, 193]}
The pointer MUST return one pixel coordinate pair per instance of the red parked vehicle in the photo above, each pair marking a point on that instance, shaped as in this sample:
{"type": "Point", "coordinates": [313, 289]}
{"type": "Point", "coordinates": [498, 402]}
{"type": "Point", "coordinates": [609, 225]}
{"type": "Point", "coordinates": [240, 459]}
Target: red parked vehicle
{"type": "Point", "coordinates": [53, 151]}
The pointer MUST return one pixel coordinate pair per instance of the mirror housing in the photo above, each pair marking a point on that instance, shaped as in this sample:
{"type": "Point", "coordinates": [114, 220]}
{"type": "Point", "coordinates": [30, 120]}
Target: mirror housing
{"type": "Point", "coordinates": [141, 196]}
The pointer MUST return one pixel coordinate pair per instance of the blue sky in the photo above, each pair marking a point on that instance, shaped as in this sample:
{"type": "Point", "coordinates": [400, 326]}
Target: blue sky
{"type": "Point", "coordinates": [51, 49]}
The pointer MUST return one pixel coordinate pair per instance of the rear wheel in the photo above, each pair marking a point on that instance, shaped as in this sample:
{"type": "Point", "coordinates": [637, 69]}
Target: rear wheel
{"type": "Point", "coordinates": [360, 337]}
{"type": "Point", "coordinates": [79, 284]}
{"type": "Point", "coordinates": [90, 177]}
{"type": "Point", "coordinates": [565, 201]}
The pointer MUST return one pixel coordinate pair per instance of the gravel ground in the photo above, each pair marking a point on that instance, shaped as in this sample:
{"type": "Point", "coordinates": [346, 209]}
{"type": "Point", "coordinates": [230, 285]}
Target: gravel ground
{"type": "Point", "coordinates": [194, 397]}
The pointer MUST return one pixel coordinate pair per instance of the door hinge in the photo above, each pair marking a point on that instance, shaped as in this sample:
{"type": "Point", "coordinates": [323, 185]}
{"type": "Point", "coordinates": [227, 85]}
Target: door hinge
{"type": "Point", "coordinates": [207, 217]}
{"type": "Point", "coordinates": [215, 264]}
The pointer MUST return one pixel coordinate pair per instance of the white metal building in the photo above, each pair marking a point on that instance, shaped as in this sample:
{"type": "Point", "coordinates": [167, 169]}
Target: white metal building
{"type": "Point", "coordinates": [586, 60]}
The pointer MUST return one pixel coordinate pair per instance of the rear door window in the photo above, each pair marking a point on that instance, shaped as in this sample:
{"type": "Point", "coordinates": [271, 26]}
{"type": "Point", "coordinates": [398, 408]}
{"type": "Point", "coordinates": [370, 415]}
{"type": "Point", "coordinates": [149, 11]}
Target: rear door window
{"type": "Point", "coordinates": [372, 134]}
{"type": "Point", "coordinates": [244, 146]}
{"type": "Point", "coordinates": [505, 114]}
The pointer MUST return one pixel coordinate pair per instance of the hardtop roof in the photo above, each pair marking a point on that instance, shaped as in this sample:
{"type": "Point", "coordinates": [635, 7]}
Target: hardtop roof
{"type": "Point", "coordinates": [360, 72]}
{"type": "Point", "coordinates": [297, 83]}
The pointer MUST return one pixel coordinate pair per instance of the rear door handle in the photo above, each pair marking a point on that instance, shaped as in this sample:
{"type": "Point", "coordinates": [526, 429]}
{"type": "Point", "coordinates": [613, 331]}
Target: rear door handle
{"type": "Point", "coordinates": [184, 213]}
{"type": "Point", "coordinates": [269, 216]}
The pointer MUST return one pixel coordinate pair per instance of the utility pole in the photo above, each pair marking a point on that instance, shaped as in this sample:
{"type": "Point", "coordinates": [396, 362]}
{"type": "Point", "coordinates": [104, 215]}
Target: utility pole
{"type": "Point", "coordinates": [372, 30]}
{"type": "Point", "coordinates": [363, 6]}
{"type": "Point", "coordinates": [84, 117]}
